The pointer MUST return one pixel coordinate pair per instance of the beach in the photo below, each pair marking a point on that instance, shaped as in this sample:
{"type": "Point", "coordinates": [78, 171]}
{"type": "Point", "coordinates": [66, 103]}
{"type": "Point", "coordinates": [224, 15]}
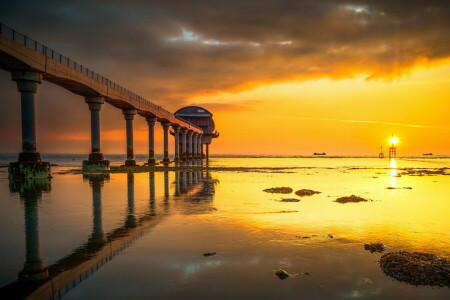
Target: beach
{"type": "Point", "coordinates": [215, 233]}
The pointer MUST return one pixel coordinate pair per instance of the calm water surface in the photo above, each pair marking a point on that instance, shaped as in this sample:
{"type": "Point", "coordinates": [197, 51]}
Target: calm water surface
{"type": "Point", "coordinates": [143, 235]}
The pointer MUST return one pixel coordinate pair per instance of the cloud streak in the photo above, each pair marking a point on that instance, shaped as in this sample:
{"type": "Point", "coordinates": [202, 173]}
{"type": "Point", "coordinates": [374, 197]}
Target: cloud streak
{"type": "Point", "coordinates": [369, 122]}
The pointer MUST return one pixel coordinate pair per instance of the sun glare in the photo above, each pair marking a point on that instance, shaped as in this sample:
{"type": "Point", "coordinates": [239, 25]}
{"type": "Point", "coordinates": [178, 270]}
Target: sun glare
{"type": "Point", "coordinates": [393, 140]}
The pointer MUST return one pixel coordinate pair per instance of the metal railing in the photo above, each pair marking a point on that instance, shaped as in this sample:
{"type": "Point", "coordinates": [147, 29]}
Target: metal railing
{"type": "Point", "coordinates": [50, 53]}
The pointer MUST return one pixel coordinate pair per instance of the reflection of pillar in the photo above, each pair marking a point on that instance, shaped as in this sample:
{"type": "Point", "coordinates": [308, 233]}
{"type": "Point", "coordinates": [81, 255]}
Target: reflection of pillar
{"type": "Point", "coordinates": [166, 185]}
{"type": "Point", "coordinates": [190, 182]}
{"type": "Point", "coordinates": [96, 182]}
{"type": "Point", "coordinates": [176, 133]}
{"type": "Point", "coordinates": [30, 193]}
{"type": "Point", "coordinates": [165, 126]}
{"type": "Point", "coordinates": [183, 144]}
{"type": "Point", "coordinates": [152, 192]}
{"type": "Point", "coordinates": [151, 140]}
{"type": "Point", "coordinates": [177, 183]}
{"type": "Point", "coordinates": [129, 116]}
{"type": "Point", "coordinates": [131, 218]}
{"type": "Point", "coordinates": [184, 186]}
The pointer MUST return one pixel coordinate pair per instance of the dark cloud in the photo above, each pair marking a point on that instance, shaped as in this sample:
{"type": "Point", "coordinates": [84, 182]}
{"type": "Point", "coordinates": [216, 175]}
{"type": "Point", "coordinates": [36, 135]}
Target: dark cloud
{"type": "Point", "coordinates": [232, 106]}
{"type": "Point", "coordinates": [235, 43]}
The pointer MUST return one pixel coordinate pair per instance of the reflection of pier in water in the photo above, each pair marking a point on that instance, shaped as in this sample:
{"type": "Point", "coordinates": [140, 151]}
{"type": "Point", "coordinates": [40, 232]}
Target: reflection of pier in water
{"type": "Point", "coordinates": [36, 281]}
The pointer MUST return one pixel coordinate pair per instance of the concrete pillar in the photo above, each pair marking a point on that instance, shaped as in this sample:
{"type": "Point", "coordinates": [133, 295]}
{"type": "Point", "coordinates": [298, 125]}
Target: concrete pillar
{"type": "Point", "coordinates": [96, 182]}
{"type": "Point", "coordinates": [176, 133]}
{"type": "Point", "coordinates": [207, 152]}
{"type": "Point", "coordinates": [194, 145]}
{"type": "Point", "coordinates": [129, 117]}
{"type": "Point", "coordinates": [165, 126]}
{"type": "Point", "coordinates": [95, 160]}
{"type": "Point", "coordinates": [190, 133]}
{"type": "Point", "coordinates": [29, 164]}
{"type": "Point", "coordinates": [151, 140]}
{"type": "Point", "coordinates": [183, 144]}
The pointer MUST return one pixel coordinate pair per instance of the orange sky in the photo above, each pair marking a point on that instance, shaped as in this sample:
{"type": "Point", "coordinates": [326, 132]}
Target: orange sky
{"type": "Point", "coordinates": [351, 116]}
{"type": "Point", "coordinates": [281, 77]}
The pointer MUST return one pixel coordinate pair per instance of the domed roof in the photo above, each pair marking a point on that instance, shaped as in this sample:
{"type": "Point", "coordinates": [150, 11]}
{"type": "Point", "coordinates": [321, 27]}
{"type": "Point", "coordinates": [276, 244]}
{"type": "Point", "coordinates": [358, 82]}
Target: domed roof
{"type": "Point", "coordinates": [193, 111]}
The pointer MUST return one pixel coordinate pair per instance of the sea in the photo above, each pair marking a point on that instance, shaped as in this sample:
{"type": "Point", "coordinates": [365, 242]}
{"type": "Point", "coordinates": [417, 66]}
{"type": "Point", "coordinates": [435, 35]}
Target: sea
{"type": "Point", "coordinates": [222, 233]}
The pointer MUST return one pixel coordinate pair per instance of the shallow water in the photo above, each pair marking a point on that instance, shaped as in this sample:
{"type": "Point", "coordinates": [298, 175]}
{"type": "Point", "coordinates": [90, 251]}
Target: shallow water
{"type": "Point", "coordinates": [143, 235]}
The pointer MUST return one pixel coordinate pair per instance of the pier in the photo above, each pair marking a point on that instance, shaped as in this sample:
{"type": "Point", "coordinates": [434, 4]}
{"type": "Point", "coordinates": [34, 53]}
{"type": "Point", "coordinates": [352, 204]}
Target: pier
{"type": "Point", "coordinates": [30, 62]}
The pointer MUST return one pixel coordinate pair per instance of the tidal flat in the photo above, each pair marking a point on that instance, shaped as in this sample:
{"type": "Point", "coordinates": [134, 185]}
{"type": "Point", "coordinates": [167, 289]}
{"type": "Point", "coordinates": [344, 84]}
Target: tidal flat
{"type": "Point", "coordinates": [213, 232]}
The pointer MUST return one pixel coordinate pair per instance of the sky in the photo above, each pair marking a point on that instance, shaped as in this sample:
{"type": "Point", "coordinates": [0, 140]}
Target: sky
{"type": "Point", "coordinates": [280, 77]}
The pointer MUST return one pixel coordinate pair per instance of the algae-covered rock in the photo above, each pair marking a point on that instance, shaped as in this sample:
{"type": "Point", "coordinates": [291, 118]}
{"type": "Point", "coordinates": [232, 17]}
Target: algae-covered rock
{"type": "Point", "coordinates": [290, 200]}
{"type": "Point", "coordinates": [374, 247]}
{"type": "Point", "coordinates": [351, 199]}
{"type": "Point", "coordinates": [279, 190]}
{"type": "Point", "coordinates": [417, 268]}
{"type": "Point", "coordinates": [282, 274]}
{"type": "Point", "coordinates": [306, 192]}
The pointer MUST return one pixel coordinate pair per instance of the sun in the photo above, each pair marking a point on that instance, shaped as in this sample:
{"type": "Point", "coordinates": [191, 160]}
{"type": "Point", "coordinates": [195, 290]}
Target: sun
{"type": "Point", "coordinates": [393, 140]}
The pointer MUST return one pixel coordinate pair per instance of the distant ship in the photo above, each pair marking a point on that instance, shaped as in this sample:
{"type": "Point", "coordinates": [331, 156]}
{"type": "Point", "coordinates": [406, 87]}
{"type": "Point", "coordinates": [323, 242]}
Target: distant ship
{"type": "Point", "coordinates": [428, 153]}
{"type": "Point", "coordinates": [323, 153]}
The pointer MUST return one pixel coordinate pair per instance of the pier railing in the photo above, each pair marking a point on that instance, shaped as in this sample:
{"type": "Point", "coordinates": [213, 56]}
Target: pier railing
{"type": "Point", "coordinates": [52, 54]}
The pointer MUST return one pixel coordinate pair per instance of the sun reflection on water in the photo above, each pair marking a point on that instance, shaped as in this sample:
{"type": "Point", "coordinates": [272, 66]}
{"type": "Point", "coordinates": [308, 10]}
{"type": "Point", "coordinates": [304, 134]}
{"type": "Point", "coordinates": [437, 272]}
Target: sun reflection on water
{"type": "Point", "coordinates": [393, 172]}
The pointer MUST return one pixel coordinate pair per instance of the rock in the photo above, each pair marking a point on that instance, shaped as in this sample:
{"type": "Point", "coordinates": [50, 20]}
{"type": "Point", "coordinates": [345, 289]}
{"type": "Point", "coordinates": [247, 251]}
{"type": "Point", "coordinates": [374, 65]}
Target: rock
{"type": "Point", "coordinates": [290, 200]}
{"type": "Point", "coordinates": [282, 274]}
{"type": "Point", "coordinates": [280, 190]}
{"type": "Point", "coordinates": [374, 247]}
{"type": "Point", "coordinates": [209, 254]}
{"type": "Point", "coordinates": [417, 268]}
{"type": "Point", "coordinates": [350, 199]}
{"type": "Point", "coordinates": [305, 192]}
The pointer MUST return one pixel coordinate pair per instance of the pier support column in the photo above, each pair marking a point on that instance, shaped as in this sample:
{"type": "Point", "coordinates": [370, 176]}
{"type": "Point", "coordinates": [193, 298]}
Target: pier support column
{"type": "Point", "coordinates": [165, 126]}
{"type": "Point", "coordinates": [183, 144]}
{"type": "Point", "coordinates": [151, 140]}
{"type": "Point", "coordinates": [29, 164]}
{"type": "Point", "coordinates": [129, 117]}
{"type": "Point", "coordinates": [176, 133]}
{"type": "Point", "coordinates": [200, 146]}
{"type": "Point", "coordinates": [190, 133]}
{"type": "Point", "coordinates": [207, 152]}
{"type": "Point", "coordinates": [194, 145]}
{"type": "Point", "coordinates": [95, 161]}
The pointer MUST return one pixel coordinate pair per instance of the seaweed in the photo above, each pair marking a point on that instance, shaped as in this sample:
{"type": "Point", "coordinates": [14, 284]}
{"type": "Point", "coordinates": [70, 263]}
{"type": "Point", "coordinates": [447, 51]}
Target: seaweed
{"type": "Point", "coordinates": [351, 199]}
{"type": "Point", "coordinates": [279, 190]}
{"type": "Point", "coordinates": [306, 192]}
{"type": "Point", "coordinates": [374, 247]}
{"type": "Point", "coordinates": [417, 268]}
